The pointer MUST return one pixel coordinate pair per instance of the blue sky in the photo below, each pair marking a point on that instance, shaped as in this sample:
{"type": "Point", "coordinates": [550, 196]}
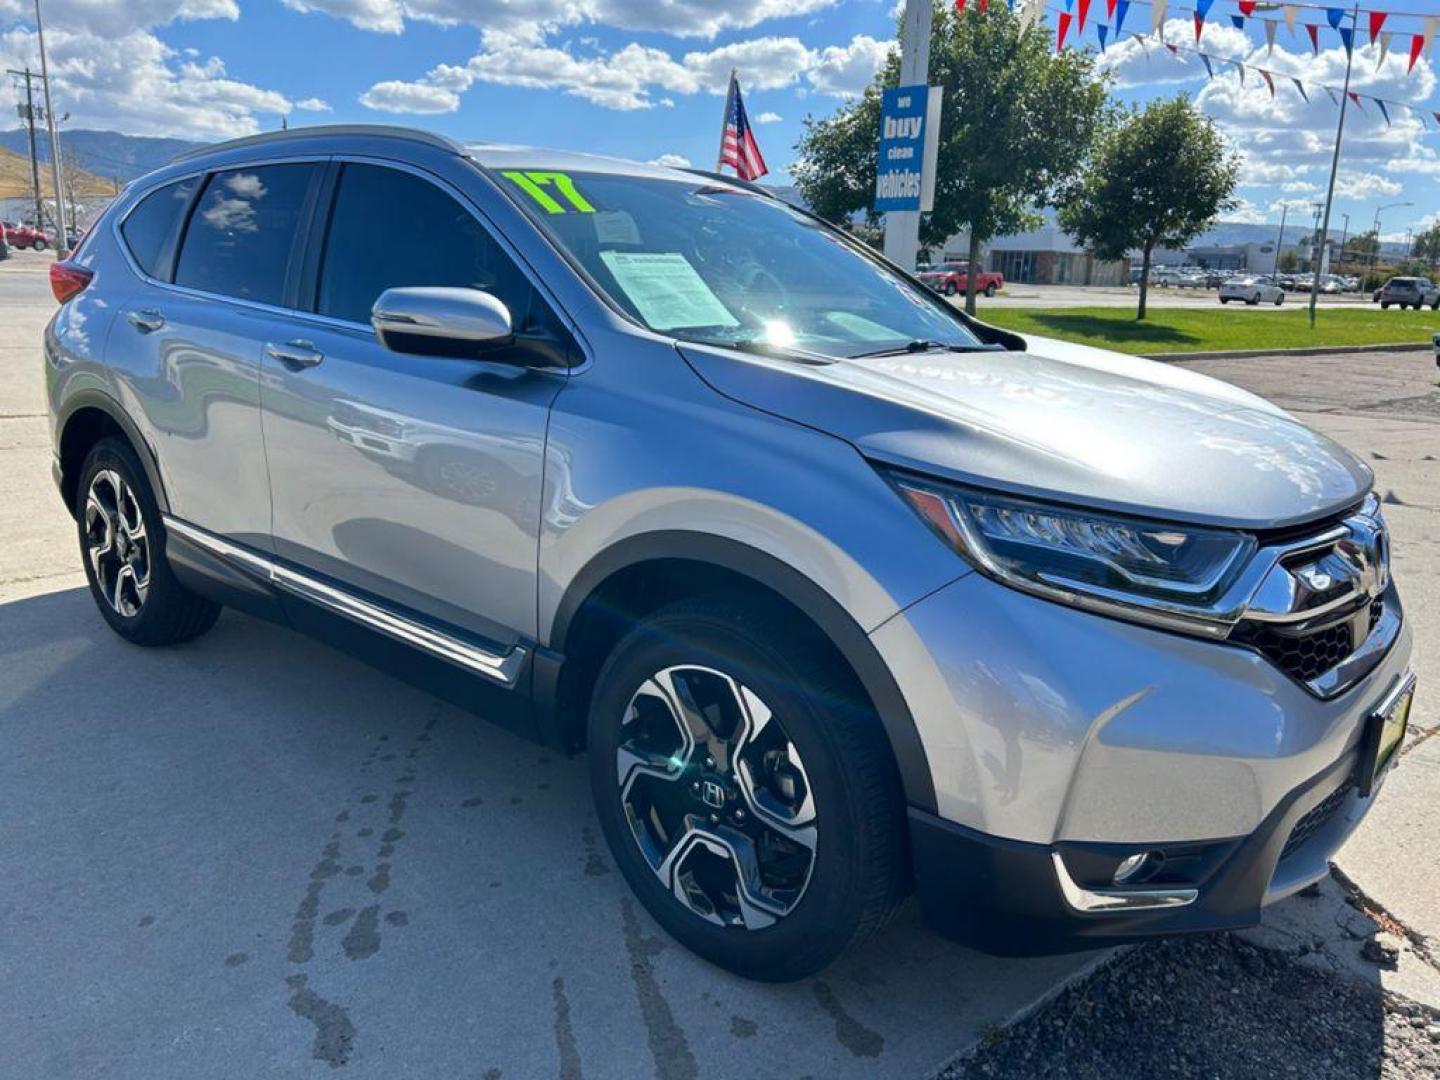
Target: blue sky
{"type": "Point", "coordinates": [644, 78]}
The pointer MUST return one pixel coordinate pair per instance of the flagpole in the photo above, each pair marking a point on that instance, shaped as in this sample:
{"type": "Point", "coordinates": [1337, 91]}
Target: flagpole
{"type": "Point", "coordinates": [1324, 237]}
{"type": "Point", "coordinates": [725, 122]}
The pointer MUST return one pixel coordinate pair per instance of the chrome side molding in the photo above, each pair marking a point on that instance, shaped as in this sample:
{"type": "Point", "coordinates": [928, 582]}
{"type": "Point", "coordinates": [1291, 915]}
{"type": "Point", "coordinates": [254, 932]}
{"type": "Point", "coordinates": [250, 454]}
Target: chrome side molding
{"type": "Point", "coordinates": [503, 668]}
{"type": "Point", "coordinates": [1108, 901]}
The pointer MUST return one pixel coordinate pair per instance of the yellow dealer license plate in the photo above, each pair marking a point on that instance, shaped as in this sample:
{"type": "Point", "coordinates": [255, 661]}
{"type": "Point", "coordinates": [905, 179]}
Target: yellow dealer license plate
{"type": "Point", "coordinates": [1386, 732]}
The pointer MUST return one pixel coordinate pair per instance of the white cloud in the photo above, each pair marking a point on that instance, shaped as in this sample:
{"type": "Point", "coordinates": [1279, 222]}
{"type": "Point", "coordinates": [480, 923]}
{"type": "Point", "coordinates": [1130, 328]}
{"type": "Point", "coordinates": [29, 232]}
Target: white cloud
{"type": "Point", "coordinates": [673, 161]}
{"type": "Point", "coordinates": [631, 77]}
{"type": "Point", "coordinates": [531, 20]}
{"type": "Point", "coordinates": [409, 97]}
{"type": "Point", "coordinates": [1365, 185]}
{"type": "Point", "coordinates": [313, 104]}
{"type": "Point", "coordinates": [769, 118]}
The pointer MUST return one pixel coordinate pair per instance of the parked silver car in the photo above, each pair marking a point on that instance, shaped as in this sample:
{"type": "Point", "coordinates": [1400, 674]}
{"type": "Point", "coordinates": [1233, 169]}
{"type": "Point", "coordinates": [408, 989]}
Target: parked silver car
{"type": "Point", "coordinates": [847, 595]}
{"type": "Point", "coordinates": [1252, 289]}
{"type": "Point", "coordinates": [1416, 292]}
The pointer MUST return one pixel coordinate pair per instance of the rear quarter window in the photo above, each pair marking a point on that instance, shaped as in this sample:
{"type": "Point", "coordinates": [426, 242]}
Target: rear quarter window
{"type": "Point", "coordinates": [150, 229]}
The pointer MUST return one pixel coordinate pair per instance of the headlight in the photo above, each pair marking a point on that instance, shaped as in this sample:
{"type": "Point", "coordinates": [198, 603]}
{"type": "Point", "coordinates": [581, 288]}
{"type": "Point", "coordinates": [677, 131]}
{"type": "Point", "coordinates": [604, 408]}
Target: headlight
{"type": "Point", "coordinates": [1152, 571]}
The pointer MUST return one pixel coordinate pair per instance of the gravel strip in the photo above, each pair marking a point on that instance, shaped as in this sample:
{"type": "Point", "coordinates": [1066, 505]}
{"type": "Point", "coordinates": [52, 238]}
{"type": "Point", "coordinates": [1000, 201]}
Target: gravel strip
{"type": "Point", "coordinates": [1213, 1006]}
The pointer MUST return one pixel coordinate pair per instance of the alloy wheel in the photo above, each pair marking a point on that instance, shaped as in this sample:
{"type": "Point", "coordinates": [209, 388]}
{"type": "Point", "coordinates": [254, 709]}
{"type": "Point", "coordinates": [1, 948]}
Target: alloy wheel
{"type": "Point", "coordinates": [116, 543]}
{"type": "Point", "coordinates": [717, 797]}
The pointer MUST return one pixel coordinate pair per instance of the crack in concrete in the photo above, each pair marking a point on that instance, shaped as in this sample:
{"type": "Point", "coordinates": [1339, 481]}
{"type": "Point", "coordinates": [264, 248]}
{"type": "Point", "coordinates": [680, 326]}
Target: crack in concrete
{"type": "Point", "coordinates": [1383, 916]}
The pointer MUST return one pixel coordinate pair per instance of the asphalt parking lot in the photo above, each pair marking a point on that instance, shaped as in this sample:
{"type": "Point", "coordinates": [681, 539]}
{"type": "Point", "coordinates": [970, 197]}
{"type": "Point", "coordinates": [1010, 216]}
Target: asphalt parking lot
{"type": "Point", "coordinates": [251, 856]}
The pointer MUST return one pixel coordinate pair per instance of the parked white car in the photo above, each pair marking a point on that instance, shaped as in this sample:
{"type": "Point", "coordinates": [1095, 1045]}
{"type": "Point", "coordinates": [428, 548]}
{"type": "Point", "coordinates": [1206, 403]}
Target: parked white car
{"type": "Point", "coordinates": [1252, 289]}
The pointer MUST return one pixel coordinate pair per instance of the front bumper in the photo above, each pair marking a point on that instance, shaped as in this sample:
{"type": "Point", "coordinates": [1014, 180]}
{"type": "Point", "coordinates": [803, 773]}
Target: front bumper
{"type": "Point", "coordinates": [1050, 731]}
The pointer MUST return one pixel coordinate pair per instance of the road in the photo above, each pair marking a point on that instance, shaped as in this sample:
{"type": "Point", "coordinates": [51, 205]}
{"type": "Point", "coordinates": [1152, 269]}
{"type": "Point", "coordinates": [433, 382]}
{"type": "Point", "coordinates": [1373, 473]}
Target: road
{"type": "Point", "coordinates": [251, 856]}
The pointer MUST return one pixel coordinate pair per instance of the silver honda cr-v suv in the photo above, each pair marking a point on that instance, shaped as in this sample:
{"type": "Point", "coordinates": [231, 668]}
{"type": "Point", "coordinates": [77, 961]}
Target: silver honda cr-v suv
{"type": "Point", "coordinates": [847, 595]}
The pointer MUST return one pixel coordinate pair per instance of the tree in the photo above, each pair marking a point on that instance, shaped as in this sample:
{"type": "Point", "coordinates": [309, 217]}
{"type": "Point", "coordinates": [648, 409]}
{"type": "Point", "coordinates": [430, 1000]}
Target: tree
{"type": "Point", "coordinates": [1159, 177]}
{"type": "Point", "coordinates": [1016, 121]}
{"type": "Point", "coordinates": [1427, 246]}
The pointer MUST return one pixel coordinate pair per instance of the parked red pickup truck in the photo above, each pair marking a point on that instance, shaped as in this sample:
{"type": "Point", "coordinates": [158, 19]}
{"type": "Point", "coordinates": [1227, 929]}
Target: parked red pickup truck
{"type": "Point", "coordinates": [23, 236]}
{"type": "Point", "coordinates": [952, 278]}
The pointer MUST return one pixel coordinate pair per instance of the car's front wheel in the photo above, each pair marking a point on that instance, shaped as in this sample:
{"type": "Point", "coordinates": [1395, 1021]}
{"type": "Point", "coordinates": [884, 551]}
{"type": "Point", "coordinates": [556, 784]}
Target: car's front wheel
{"type": "Point", "coordinates": [1280, 299]}
{"type": "Point", "coordinates": [123, 545]}
{"type": "Point", "coordinates": [747, 794]}
{"type": "Point", "coordinates": [950, 289]}
{"type": "Point", "coordinates": [990, 289]}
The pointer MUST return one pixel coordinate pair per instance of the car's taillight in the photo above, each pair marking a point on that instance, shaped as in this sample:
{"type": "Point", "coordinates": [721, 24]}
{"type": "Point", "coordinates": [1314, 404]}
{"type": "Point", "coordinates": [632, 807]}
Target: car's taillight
{"type": "Point", "coordinates": [68, 280]}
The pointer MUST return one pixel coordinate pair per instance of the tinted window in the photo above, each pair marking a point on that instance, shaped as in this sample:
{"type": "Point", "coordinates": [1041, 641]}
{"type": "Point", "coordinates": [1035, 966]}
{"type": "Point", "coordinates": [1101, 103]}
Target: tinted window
{"type": "Point", "coordinates": [239, 238]}
{"type": "Point", "coordinates": [151, 226]}
{"type": "Point", "coordinates": [391, 228]}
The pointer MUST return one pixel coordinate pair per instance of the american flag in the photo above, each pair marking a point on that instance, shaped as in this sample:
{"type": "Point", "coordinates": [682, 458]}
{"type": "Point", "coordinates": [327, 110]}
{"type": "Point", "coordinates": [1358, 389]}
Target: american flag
{"type": "Point", "coordinates": [738, 148]}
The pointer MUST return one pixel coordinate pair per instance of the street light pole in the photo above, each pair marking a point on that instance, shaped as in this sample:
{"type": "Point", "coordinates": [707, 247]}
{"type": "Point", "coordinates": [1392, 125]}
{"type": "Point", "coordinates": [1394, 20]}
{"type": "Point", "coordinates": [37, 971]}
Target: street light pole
{"type": "Point", "coordinates": [62, 240]}
{"type": "Point", "coordinates": [1375, 255]}
{"type": "Point", "coordinates": [1280, 241]}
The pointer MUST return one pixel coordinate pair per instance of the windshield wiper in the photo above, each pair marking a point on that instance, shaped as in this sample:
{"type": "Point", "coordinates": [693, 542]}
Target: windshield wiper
{"type": "Point", "coordinates": [921, 345]}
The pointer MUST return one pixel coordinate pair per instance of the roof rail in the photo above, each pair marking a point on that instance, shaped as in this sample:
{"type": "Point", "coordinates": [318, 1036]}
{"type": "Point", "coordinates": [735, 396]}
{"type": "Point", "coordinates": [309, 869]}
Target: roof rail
{"type": "Point", "coordinates": [266, 138]}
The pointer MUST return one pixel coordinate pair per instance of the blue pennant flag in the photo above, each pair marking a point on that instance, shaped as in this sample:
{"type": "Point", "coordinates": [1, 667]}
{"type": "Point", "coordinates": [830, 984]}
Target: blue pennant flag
{"type": "Point", "coordinates": [1347, 35]}
{"type": "Point", "coordinates": [1237, 21]}
{"type": "Point", "coordinates": [1102, 32]}
{"type": "Point", "coordinates": [1383, 111]}
{"type": "Point", "coordinates": [1300, 87]}
{"type": "Point", "coordinates": [1122, 7]}
{"type": "Point", "coordinates": [1205, 59]}
{"type": "Point", "coordinates": [1334, 14]}
{"type": "Point", "coordinates": [1202, 9]}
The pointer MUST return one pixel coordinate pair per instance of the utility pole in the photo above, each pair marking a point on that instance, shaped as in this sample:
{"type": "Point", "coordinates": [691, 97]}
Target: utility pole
{"type": "Point", "coordinates": [902, 227]}
{"type": "Point", "coordinates": [62, 240]}
{"type": "Point", "coordinates": [29, 108]}
{"type": "Point", "coordinates": [1280, 241]}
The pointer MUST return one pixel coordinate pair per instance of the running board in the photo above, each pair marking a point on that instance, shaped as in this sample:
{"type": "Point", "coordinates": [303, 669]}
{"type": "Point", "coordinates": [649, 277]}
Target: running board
{"type": "Point", "coordinates": [503, 668]}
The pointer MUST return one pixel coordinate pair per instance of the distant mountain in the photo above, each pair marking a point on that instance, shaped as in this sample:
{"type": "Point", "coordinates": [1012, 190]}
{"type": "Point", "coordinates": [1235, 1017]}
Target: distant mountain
{"type": "Point", "coordinates": [16, 181]}
{"type": "Point", "coordinates": [104, 153]}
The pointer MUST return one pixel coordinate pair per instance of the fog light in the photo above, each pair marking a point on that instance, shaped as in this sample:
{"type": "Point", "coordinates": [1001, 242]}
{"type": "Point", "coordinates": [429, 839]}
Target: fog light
{"type": "Point", "coordinates": [1141, 866]}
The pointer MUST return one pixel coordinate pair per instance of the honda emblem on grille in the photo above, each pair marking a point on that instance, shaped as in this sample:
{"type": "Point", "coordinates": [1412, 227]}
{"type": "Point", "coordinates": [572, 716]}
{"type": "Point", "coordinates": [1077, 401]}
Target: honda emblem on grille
{"type": "Point", "coordinates": [712, 794]}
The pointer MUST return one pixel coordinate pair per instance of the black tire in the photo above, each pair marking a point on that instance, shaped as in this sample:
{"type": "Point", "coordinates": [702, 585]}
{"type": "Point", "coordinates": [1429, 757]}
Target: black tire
{"type": "Point", "coordinates": [990, 289]}
{"type": "Point", "coordinates": [1280, 299]}
{"type": "Point", "coordinates": [1384, 305]}
{"type": "Point", "coordinates": [39, 245]}
{"type": "Point", "coordinates": [1224, 299]}
{"type": "Point", "coordinates": [857, 877]}
{"type": "Point", "coordinates": [169, 613]}
{"type": "Point", "coordinates": [950, 289]}
{"type": "Point", "coordinates": [1254, 300]}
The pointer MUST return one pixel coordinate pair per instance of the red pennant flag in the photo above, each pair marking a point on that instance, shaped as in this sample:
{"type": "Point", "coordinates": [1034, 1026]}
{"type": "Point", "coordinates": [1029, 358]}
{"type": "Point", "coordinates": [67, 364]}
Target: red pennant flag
{"type": "Point", "coordinates": [1247, 7]}
{"type": "Point", "coordinates": [1268, 80]}
{"type": "Point", "coordinates": [1063, 32]}
{"type": "Point", "coordinates": [959, 5]}
{"type": "Point", "coordinates": [1377, 20]}
{"type": "Point", "coordinates": [1110, 8]}
{"type": "Point", "coordinates": [984, 6]}
{"type": "Point", "coordinates": [1174, 49]}
{"type": "Point", "coordinates": [1356, 99]}
{"type": "Point", "coordinates": [1417, 46]}
{"type": "Point", "coordinates": [1199, 26]}
{"type": "Point", "coordinates": [1084, 11]}
{"type": "Point", "coordinates": [1310, 28]}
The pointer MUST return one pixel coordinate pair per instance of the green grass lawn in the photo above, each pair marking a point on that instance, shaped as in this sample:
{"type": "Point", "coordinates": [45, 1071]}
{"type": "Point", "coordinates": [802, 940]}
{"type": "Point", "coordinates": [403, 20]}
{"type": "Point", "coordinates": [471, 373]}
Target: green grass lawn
{"type": "Point", "coordinates": [1224, 328]}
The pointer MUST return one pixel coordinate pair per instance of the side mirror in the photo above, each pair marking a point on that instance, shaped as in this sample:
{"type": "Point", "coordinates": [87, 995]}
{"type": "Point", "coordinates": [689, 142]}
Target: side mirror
{"type": "Point", "coordinates": [436, 321]}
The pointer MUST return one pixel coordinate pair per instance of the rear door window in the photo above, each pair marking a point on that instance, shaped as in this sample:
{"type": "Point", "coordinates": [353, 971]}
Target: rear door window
{"type": "Point", "coordinates": [150, 229]}
{"type": "Point", "coordinates": [242, 230]}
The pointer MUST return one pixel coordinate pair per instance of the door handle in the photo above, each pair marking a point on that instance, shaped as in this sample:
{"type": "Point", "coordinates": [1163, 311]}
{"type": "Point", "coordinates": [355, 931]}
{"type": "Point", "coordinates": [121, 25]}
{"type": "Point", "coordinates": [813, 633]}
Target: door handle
{"type": "Point", "coordinates": [147, 321]}
{"type": "Point", "coordinates": [295, 354]}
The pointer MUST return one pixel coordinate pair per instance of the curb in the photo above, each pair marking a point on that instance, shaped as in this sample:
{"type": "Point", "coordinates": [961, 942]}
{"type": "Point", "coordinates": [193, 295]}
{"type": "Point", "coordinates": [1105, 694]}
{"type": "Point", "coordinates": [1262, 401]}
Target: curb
{"type": "Point", "coordinates": [1309, 350]}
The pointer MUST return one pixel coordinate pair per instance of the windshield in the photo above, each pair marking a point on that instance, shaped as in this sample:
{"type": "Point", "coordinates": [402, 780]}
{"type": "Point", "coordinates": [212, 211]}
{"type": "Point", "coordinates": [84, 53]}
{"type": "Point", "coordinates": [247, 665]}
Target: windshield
{"type": "Point", "coordinates": [703, 261]}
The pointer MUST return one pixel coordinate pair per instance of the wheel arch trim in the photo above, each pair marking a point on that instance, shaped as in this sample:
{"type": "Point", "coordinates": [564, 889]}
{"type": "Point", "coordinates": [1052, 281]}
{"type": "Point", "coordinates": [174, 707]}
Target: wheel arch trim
{"type": "Point", "coordinates": [98, 400]}
{"type": "Point", "coordinates": [829, 616]}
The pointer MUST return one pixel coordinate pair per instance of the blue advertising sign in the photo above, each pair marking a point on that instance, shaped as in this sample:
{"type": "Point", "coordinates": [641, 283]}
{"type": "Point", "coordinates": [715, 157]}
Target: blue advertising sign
{"type": "Point", "coordinates": [900, 175]}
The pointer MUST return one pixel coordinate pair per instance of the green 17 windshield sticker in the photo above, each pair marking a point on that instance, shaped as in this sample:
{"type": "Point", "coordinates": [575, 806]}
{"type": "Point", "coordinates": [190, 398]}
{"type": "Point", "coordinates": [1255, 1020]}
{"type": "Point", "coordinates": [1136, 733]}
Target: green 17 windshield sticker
{"type": "Point", "coordinates": [534, 184]}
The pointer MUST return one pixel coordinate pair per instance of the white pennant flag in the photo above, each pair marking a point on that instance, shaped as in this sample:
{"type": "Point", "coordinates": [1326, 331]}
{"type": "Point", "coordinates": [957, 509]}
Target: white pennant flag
{"type": "Point", "coordinates": [1290, 19]}
{"type": "Point", "coordinates": [1427, 29]}
{"type": "Point", "coordinates": [1331, 91]}
{"type": "Point", "coordinates": [1270, 28]}
{"type": "Point", "coordinates": [1384, 47]}
{"type": "Point", "coordinates": [1157, 16]}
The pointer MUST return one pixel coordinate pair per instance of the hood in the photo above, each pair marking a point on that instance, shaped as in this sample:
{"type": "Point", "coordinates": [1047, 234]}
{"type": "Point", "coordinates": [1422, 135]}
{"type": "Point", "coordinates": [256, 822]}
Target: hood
{"type": "Point", "coordinates": [1064, 422]}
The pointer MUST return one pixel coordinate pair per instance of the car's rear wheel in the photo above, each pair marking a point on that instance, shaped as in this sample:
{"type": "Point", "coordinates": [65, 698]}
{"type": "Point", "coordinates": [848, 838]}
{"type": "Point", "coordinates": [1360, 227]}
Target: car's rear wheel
{"type": "Point", "coordinates": [39, 245]}
{"type": "Point", "coordinates": [950, 289]}
{"type": "Point", "coordinates": [747, 795]}
{"type": "Point", "coordinates": [123, 545]}
{"type": "Point", "coordinates": [1384, 305]}
{"type": "Point", "coordinates": [1280, 299]}
{"type": "Point", "coordinates": [1224, 299]}
{"type": "Point", "coordinates": [990, 289]}
{"type": "Point", "coordinates": [1253, 300]}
